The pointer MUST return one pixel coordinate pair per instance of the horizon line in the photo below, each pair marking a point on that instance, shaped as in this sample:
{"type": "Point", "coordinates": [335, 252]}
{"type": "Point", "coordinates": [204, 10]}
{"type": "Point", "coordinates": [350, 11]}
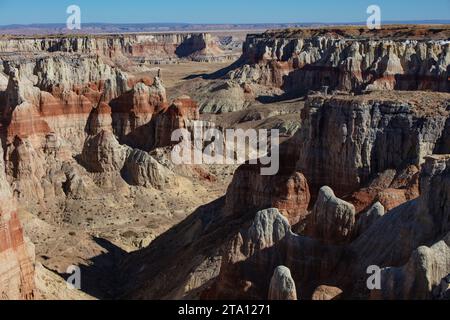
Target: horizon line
{"type": "Point", "coordinates": [37, 24]}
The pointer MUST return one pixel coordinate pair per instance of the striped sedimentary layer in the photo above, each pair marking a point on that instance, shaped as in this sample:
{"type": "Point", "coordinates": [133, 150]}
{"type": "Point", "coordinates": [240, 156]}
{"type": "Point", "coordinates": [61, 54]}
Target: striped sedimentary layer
{"type": "Point", "coordinates": [340, 60]}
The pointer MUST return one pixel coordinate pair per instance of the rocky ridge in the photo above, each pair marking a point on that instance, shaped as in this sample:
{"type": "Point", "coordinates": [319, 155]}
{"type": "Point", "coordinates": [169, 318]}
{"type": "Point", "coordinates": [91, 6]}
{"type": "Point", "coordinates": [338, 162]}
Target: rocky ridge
{"type": "Point", "coordinates": [126, 50]}
{"type": "Point", "coordinates": [345, 60]}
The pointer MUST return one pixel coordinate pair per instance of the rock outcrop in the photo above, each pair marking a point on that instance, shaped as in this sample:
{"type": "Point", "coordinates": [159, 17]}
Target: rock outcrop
{"type": "Point", "coordinates": [133, 111]}
{"type": "Point", "coordinates": [421, 227]}
{"type": "Point", "coordinates": [304, 60]}
{"type": "Point", "coordinates": [45, 92]}
{"type": "Point", "coordinates": [419, 277]}
{"type": "Point", "coordinates": [48, 104]}
{"type": "Point", "coordinates": [345, 241]}
{"type": "Point", "coordinates": [282, 286]}
{"type": "Point", "coordinates": [267, 243]}
{"type": "Point", "coordinates": [62, 107]}
{"type": "Point", "coordinates": [346, 142]}
{"type": "Point", "coordinates": [398, 238]}
{"type": "Point", "coordinates": [250, 191]}
{"type": "Point", "coordinates": [367, 219]}
{"type": "Point", "coordinates": [332, 220]}
{"type": "Point", "coordinates": [16, 253]}
{"type": "Point", "coordinates": [252, 248]}
{"type": "Point", "coordinates": [126, 50]}
{"type": "Point", "coordinates": [183, 113]}
{"type": "Point", "coordinates": [141, 169]}
{"type": "Point", "coordinates": [326, 293]}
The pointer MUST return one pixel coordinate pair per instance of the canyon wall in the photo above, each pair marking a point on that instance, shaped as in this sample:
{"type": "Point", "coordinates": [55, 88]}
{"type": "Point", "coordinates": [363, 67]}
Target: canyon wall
{"type": "Point", "coordinates": [305, 60]}
{"type": "Point", "coordinates": [125, 49]}
{"type": "Point", "coordinates": [410, 244]}
{"type": "Point", "coordinates": [69, 127]}
{"type": "Point", "coordinates": [16, 252]}
{"type": "Point", "coordinates": [345, 142]}
{"type": "Point", "coordinates": [71, 123]}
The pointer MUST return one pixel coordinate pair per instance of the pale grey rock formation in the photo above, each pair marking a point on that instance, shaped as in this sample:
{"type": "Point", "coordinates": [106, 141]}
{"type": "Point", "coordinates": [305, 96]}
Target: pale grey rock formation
{"type": "Point", "coordinates": [344, 142]}
{"type": "Point", "coordinates": [221, 97]}
{"type": "Point", "coordinates": [367, 219]}
{"type": "Point", "coordinates": [268, 228]}
{"type": "Point", "coordinates": [65, 71]}
{"type": "Point", "coordinates": [282, 286]}
{"type": "Point", "coordinates": [419, 277]}
{"type": "Point", "coordinates": [103, 153]}
{"type": "Point", "coordinates": [140, 169]}
{"type": "Point", "coordinates": [332, 219]}
{"type": "Point", "coordinates": [244, 267]}
{"type": "Point", "coordinates": [412, 235]}
{"type": "Point", "coordinates": [250, 252]}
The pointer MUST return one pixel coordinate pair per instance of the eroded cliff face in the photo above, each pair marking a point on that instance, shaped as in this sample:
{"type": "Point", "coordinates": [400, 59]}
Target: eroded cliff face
{"type": "Point", "coordinates": [78, 133]}
{"type": "Point", "coordinates": [56, 94]}
{"type": "Point", "coordinates": [301, 61]}
{"type": "Point", "coordinates": [410, 243]}
{"type": "Point", "coordinates": [126, 50]}
{"type": "Point", "coordinates": [288, 191]}
{"type": "Point", "coordinates": [16, 252]}
{"type": "Point", "coordinates": [77, 129]}
{"type": "Point", "coordinates": [422, 230]}
{"type": "Point", "coordinates": [347, 142]}
{"type": "Point", "coordinates": [372, 238]}
{"type": "Point", "coordinates": [47, 104]}
{"type": "Point", "coordinates": [371, 149]}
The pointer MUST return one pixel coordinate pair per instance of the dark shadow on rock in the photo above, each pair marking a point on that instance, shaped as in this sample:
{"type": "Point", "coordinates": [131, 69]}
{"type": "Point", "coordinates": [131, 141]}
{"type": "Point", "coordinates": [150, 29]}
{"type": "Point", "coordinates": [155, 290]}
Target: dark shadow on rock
{"type": "Point", "coordinates": [219, 73]}
{"type": "Point", "coordinates": [195, 76]}
{"type": "Point", "coordinates": [157, 271]}
{"type": "Point", "coordinates": [289, 95]}
{"type": "Point", "coordinates": [99, 278]}
{"type": "Point", "coordinates": [443, 144]}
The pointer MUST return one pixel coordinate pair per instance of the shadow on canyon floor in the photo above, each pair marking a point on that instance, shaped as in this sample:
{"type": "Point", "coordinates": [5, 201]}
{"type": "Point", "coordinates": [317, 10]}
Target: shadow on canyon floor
{"type": "Point", "coordinates": [99, 278]}
{"type": "Point", "coordinates": [155, 273]}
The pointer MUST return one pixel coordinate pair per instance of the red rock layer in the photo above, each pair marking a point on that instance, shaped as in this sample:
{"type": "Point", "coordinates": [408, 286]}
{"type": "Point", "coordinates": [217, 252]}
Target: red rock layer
{"type": "Point", "coordinates": [16, 262]}
{"type": "Point", "coordinates": [133, 110]}
{"type": "Point", "coordinates": [38, 116]}
{"type": "Point", "coordinates": [177, 116]}
{"type": "Point", "coordinates": [250, 191]}
{"type": "Point", "coordinates": [390, 191]}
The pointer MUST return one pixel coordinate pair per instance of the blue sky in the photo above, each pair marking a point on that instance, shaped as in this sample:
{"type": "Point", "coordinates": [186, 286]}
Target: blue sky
{"type": "Point", "coordinates": [219, 11]}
